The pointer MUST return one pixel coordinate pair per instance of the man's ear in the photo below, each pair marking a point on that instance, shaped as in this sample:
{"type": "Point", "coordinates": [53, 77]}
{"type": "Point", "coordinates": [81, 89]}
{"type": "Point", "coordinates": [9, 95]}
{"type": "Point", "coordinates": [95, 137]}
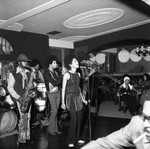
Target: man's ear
{"type": "Point", "coordinates": [49, 65]}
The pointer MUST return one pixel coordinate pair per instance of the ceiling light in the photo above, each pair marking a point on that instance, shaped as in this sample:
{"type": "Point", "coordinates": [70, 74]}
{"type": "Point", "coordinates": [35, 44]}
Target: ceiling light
{"type": "Point", "coordinates": [94, 18]}
{"type": "Point", "coordinates": [142, 51]}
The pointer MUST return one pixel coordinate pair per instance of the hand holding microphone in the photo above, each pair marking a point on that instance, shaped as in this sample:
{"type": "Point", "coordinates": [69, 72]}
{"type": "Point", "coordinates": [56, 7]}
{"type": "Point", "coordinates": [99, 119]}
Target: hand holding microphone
{"type": "Point", "coordinates": [91, 72]}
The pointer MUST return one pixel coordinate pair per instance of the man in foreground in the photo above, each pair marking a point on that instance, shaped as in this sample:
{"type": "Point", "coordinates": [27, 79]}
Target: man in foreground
{"type": "Point", "coordinates": [135, 134]}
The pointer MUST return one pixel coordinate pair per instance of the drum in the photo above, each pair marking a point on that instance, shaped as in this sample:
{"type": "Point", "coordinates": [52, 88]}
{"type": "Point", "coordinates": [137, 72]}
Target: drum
{"type": "Point", "coordinates": [2, 91]}
{"type": "Point", "coordinates": [42, 89]}
{"type": "Point", "coordinates": [7, 102]}
{"type": "Point", "coordinates": [11, 103]}
{"type": "Point", "coordinates": [8, 121]}
{"type": "Point", "coordinates": [40, 104]}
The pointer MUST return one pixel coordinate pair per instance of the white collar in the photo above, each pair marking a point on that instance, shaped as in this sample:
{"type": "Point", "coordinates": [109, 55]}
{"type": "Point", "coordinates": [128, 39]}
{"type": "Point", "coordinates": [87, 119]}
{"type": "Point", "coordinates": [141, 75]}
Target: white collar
{"type": "Point", "coordinates": [19, 69]}
{"type": "Point", "coordinates": [130, 86]}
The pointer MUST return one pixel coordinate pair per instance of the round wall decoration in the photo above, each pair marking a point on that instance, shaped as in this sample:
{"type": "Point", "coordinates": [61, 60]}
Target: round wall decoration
{"type": "Point", "coordinates": [134, 57]}
{"type": "Point", "coordinates": [5, 46]}
{"type": "Point", "coordinates": [100, 58]}
{"type": "Point", "coordinates": [123, 56]}
{"type": "Point", "coordinates": [147, 58]}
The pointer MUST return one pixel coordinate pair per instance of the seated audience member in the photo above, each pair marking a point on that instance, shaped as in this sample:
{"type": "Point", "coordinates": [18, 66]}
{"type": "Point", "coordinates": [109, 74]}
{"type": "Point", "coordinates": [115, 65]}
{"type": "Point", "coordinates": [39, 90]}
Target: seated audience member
{"type": "Point", "coordinates": [145, 81]}
{"type": "Point", "coordinates": [127, 95]}
{"type": "Point", "coordinates": [135, 134]}
{"type": "Point", "coordinates": [145, 86]}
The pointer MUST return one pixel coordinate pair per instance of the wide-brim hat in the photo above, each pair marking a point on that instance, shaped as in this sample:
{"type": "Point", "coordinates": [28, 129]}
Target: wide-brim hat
{"type": "Point", "coordinates": [23, 57]}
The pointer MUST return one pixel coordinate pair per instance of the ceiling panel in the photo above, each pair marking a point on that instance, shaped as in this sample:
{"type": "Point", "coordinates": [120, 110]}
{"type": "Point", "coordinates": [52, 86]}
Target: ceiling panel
{"type": "Point", "coordinates": [52, 18]}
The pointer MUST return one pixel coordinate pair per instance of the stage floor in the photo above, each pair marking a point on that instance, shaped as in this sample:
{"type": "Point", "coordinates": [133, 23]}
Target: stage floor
{"type": "Point", "coordinates": [101, 125]}
{"type": "Point", "coordinates": [109, 109]}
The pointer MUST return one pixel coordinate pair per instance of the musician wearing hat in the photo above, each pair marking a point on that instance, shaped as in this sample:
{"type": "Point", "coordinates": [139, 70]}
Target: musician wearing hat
{"type": "Point", "coordinates": [19, 84]}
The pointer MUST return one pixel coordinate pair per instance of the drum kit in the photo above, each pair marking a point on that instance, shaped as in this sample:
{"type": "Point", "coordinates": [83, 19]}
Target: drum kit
{"type": "Point", "coordinates": [8, 116]}
{"type": "Point", "coordinates": [8, 107]}
{"type": "Point", "coordinates": [6, 101]}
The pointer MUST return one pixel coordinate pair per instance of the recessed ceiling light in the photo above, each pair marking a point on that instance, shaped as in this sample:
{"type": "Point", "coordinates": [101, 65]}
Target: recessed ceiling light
{"type": "Point", "coordinates": [54, 32]}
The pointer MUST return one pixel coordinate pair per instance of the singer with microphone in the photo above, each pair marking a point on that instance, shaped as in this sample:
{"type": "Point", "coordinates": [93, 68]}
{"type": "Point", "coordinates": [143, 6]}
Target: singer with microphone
{"type": "Point", "coordinates": [72, 99]}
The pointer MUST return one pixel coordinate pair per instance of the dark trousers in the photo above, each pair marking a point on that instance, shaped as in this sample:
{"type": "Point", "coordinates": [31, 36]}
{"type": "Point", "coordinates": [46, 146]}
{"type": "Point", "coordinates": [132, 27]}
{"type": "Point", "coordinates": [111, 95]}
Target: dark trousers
{"type": "Point", "coordinates": [75, 125]}
{"type": "Point", "coordinates": [131, 102]}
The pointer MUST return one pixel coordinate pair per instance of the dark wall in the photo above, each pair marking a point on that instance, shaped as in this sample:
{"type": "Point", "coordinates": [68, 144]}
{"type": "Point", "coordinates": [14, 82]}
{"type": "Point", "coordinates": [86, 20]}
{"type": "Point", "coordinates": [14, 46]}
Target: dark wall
{"type": "Point", "coordinates": [140, 66]}
{"type": "Point", "coordinates": [35, 46]}
{"type": "Point", "coordinates": [58, 53]}
{"type": "Point", "coordinates": [136, 35]}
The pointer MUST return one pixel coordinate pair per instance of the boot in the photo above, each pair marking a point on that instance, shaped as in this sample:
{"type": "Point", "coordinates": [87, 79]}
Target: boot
{"type": "Point", "coordinates": [125, 109]}
{"type": "Point", "coordinates": [120, 108]}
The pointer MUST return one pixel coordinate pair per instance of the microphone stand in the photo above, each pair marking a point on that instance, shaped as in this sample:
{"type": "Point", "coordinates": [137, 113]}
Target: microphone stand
{"type": "Point", "coordinates": [89, 97]}
{"type": "Point", "coordinates": [88, 63]}
{"type": "Point", "coordinates": [89, 110]}
{"type": "Point", "coordinates": [95, 110]}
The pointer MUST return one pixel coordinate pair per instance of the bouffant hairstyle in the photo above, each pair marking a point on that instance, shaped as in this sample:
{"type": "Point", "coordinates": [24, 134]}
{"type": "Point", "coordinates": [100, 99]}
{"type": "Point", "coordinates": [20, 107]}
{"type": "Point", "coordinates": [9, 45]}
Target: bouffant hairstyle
{"type": "Point", "coordinates": [50, 59]}
{"type": "Point", "coordinates": [68, 60]}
